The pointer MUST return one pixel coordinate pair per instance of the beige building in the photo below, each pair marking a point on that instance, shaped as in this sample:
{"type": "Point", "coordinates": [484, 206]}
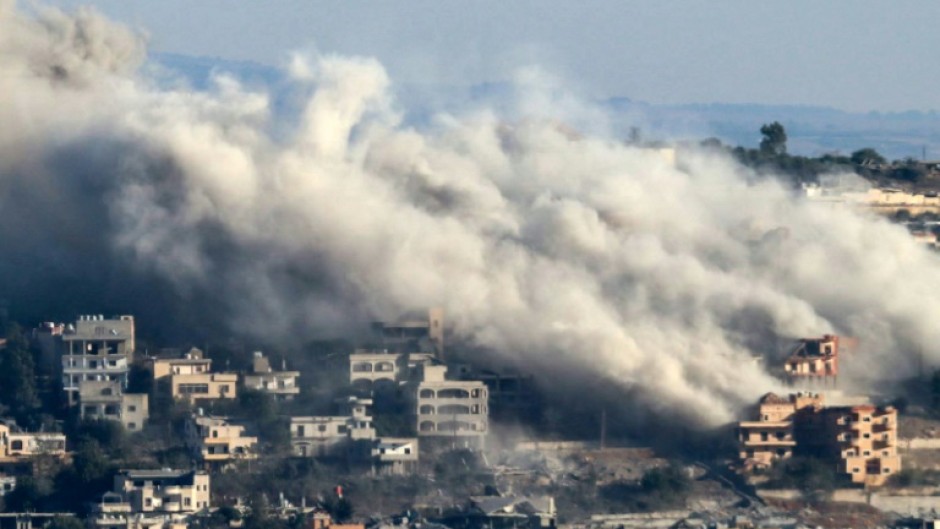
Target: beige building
{"type": "Point", "coordinates": [413, 333]}
{"type": "Point", "coordinates": [16, 445]}
{"type": "Point", "coordinates": [163, 491]}
{"type": "Point", "coordinates": [204, 386]}
{"type": "Point", "coordinates": [814, 359]}
{"type": "Point", "coordinates": [96, 348]}
{"type": "Point", "coordinates": [335, 435]}
{"type": "Point", "coordinates": [452, 409]}
{"type": "Point", "coordinates": [374, 369]}
{"type": "Point", "coordinates": [394, 456]}
{"type": "Point", "coordinates": [860, 440]}
{"type": "Point", "coordinates": [105, 399]}
{"type": "Point", "coordinates": [282, 384]}
{"type": "Point", "coordinates": [190, 363]}
{"type": "Point", "coordinates": [215, 440]}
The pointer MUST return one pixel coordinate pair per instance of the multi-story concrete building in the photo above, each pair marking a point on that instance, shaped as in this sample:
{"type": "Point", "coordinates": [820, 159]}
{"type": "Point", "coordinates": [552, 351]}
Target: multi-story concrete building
{"type": "Point", "coordinates": [861, 441]}
{"type": "Point", "coordinates": [204, 386]}
{"type": "Point", "coordinates": [771, 437]}
{"type": "Point", "coordinates": [215, 440]}
{"type": "Point", "coordinates": [456, 410]}
{"type": "Point", "coordinates": [190, 363]}
{"type": "Point", "coordinates": [15, 444]}
{"type": "Point", "coordinates": [105, 399]}
{"type": "Point", "coordinates": [814, 359]}
{"type": "Point", "coordinates": [371, 370]}
{"type": "Point", "coordinates": [413, 333]}
{"type": "Point", "coordinates": [96, 348]}
{"type": "Point", "coordinates": [282, 384]}
{"type": "Point", "coordinates": [394, 456]}
{"type": "Point", "coordinates": [334, 435]}
{"type": "Point", "coordinates": [163, 491]}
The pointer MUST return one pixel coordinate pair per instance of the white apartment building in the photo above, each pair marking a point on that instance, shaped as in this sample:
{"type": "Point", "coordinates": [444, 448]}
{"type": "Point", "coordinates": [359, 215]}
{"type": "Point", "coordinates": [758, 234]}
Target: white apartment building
{"type": "Point", "coordinates": [163, 491]}
{"type": "Point", "coordinates": [96, 348]}
{"type": "Point", "coordinates": [394, 456]}
{"type": "Point", "coordinates": [333, 435]}
{"type": "Point", "coordinates": [105, 399]}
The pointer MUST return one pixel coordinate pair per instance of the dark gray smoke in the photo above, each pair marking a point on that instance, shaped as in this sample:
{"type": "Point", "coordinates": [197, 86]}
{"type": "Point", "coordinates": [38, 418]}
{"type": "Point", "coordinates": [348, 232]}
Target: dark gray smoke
{"type": "Point", "coordinates": [568, 254]}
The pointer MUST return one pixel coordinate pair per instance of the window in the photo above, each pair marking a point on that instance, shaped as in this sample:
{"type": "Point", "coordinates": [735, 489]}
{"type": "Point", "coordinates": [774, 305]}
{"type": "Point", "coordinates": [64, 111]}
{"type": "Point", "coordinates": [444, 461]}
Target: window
{"type": "Point", "coordinates": [131, 408]}
{"type": "Point", "coordinates": [886, 470]}
{"type": "Point", "coordinates": [855, 470]}
{"type": "Point", "coordinates": [321, 428]}
{"type": "Point", "coordinates": [148, 502]}
{"type": "Point", "coordinates": [341, 428]}
{"type": "Point", "coordinates": [300, 430]}
{"type": "Point", "coordinates": [426, 394]}
{"type": "Point", "coordinates": [866, 419]}
{"type": "Point", "coordinates": [16, 445]}
{"type": "Point", "coordinates": [132, 426]}
{"type": "Point", "coordinates": [407, 450]}
{"type": "Point", "coordinates": [223, 389]}
{"type": "Point", "coordinates": [866, 453]}
{"type": "Point", "coordinates": [866, 435]}
{"type": "Point", "coordinates": [187, 502]}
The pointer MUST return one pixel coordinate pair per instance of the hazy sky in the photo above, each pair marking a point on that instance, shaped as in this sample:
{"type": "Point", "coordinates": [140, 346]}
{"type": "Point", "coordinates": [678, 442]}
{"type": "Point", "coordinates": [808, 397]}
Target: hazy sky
{"type": "Point", "coordinates": [855, 55]}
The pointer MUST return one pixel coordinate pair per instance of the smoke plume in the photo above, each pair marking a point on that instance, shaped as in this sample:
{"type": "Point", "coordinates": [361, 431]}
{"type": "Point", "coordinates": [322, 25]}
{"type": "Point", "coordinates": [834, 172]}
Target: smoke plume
{"type": "Point", "coordinates": [572, 255]}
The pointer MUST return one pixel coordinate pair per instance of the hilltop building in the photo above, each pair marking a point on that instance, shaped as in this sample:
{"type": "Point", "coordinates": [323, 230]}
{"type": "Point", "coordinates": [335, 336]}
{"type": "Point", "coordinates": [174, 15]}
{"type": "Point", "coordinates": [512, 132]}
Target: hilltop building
{"type": "Point", "coordinates": [105, 399]}
{"type": "Point", "coordinates": [282, 384]}
{"type": "Point", "coordinates": [96, 348]}
{"type": "Point", "coordinates": [394, 456]}
{"type": "Point", "coordinates": [413, 333]}
{"type": "Point", "coordinates": [169, 492]}
{"type": "Point", "coordinates": [814, 359]}
{"type": "Point", "coordinates": [204, 386]}
{"type": "Point", "coordinates": [860, 440]}
{"type": "Point", "coordinates": [371, 370]}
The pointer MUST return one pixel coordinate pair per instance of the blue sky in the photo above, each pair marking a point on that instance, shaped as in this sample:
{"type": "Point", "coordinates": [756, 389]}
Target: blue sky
{"type": "Point", "coordinates": [853, 55]}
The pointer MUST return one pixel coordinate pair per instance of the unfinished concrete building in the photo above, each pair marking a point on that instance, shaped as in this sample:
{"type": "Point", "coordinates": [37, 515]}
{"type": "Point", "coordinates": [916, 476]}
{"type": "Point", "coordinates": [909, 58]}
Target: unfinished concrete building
{"type": "Point", "coordinates": [453, 410]}
{"type": "Point", "coordinates": [106, 400]}
{"type": "Point", "coordinates": [860, 441]}
{"type": "Point", "coordinates": [96, 348]}
{"type": "Point", "coordinates": [814, 360]}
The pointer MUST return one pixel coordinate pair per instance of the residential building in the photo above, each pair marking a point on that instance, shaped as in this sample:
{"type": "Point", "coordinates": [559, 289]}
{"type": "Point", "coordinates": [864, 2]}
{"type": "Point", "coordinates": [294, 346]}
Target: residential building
{"type": "Point", "coordinates": [96, 348]}
{"type": "Point", "coordinates": [163, 491]}
{"type": "Point", "coordinates": [190, 363]}
{"type": "Point", "coordinates": [105, 399]}
{"type": "Point", "coordinates": [413, 333]}
{"type": "Point", "coordinates": [814, 359]}
{"type": "Point", "coordinates": [394, 456]}
{"type": "Point", "coordinates": [282, 384]}
{"type": "Point", "coordinates": [373, 370]}
{"type": "Point", "coordinates": [860, 440]}
{"type": "Point", "coordinates": [204, 386]}
{"type": "Point", "coordinates": [113, 512]}
{"type": "Point", "coordinates": [457, 410]}
{"type": "Point", "coordinates": [15, 444]}
{"type": "Point", "coordinates": [334, 435]}
{"type": "Point", "coordinates": [216, 440]}
{"type": "Point", "coordinates": [771, 437]}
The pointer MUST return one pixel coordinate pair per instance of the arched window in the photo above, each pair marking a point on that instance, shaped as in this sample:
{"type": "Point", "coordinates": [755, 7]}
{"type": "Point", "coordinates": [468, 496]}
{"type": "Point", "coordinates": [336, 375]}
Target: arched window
{"type": "Point", "coordinates": [454, 409]}
{"type": "Point", "coordinates": [427, 409]}
{"type": "Point", "coordinates": [453, 393]}
{"type": "Point", "coordinates": [426, 394]}
{"type": "Point", "coordinates": [385, 367]}
{"type": "Point", "coordinates": [426, 426]}
{"type": "Point", "coordinates": [362, 367]}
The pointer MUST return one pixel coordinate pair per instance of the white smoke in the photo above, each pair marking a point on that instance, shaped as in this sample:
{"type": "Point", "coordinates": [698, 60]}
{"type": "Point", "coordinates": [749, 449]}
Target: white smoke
{"type": "Point", "coordinates": [573, 255]}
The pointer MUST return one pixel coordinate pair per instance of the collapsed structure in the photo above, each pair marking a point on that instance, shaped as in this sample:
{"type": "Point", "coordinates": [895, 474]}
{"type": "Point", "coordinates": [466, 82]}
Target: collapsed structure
{"type": "Point", "coordinates": [860, 441]}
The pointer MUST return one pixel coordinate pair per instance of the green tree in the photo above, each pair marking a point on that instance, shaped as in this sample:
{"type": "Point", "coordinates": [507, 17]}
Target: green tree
{"type": "Point", "coordinates": [866, 156]}
{"type": "Point", "coordinates": [774, 142]}
{"type": "Point", "coordinates": [18, 378]}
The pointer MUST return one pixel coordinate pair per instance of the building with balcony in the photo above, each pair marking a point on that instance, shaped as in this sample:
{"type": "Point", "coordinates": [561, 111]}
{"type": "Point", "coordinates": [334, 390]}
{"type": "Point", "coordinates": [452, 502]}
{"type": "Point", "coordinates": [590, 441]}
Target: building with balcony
{"type": "Point", "coordinates": [105, 399]}
{"type": "Point", "coordinates": [375, 370]}
{"type": "Point", "coordinates": [814, 359]}
{"type": "Point", "coordinates": [191, 362]}
{"type": "Point", "coordinates": [16, 445]}
{"type": "Point", "coordinates": [860, 441]}
{"type": "Point", "coordinates": [332, 436]}
{"type": "Point", "coordinates": [282, 384]}
{"type": "Point", "coordinates": [204, 386]}
{"type": "Point", "coordinates": [95, 348]}
{"type": "Point", "coordinates": [173, 492]}
{"type": "Point", "coordinates": [394, 456]}
{"type": "Point", "coordinates": [456, 410]}
{"type": "Point", "coordinates": [216, 440]}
